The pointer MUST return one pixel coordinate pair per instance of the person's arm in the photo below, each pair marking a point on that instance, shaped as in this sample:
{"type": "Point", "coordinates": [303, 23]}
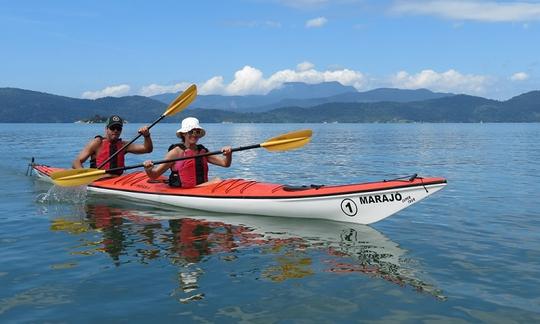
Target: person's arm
{"type": "Point", "coordinates": [155, 172]}
{"type": "Point", "coordinates": [147, 147]}
{"type": "Point", "coordinates": [225, 160]}
{"type": "Point", "coordinates": [90, 149]}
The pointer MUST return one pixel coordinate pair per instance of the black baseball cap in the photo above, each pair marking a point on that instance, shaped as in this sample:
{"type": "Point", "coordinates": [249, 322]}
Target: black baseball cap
{"type": "Point", "coordinates": [115, 120]}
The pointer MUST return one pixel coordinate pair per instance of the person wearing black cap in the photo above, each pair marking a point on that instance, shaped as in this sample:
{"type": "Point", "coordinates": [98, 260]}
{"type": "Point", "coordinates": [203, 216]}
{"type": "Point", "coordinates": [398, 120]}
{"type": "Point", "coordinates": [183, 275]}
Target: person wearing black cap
{"type": "Point", "coordinates": [102, 147]}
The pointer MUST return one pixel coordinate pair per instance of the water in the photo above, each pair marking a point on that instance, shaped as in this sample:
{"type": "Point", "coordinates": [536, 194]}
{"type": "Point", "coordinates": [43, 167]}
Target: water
{"type": "Point", "coordinates": [470, 253]}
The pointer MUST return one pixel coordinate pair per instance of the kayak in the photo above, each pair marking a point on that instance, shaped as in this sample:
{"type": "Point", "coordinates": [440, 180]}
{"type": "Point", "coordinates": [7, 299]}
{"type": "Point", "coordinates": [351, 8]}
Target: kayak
{"type": "Point", "coordinates": [362, 203]}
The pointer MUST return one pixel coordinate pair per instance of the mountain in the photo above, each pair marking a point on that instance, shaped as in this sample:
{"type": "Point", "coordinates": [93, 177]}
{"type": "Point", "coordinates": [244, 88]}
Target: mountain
{"type": "Point", "coordinates": [455, 109]}
{"type": "Point", "coordinates": [301, 94]}
{"type": "Point", "coordinates": [290, 90]}
{"type": "Point", "coordinates": [396, 95]}
{"type": "Point", "coordinates": [301, 90]}
{"type": "Point", "coordinates": [25, 106]}
{"type": "Point", "coordinates": [376, 95]}
{"type": "Point", "coordinates": [17, 105]}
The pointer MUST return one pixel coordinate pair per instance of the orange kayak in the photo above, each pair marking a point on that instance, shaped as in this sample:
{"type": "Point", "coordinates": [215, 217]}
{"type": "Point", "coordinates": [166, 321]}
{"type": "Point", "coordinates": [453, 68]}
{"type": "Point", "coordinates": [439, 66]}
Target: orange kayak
{"type": "Point", "coordinates": [362, 203]}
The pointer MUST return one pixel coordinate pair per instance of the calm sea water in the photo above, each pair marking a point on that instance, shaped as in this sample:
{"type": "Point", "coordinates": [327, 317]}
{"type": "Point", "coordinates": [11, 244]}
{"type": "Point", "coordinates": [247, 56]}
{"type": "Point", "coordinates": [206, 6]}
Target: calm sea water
{"type": "Point", "coordinates": [470, 253]}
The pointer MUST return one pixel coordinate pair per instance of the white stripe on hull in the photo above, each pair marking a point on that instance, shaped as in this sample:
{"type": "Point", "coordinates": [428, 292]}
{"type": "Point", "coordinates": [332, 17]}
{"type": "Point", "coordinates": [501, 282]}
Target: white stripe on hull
{"type": "Point", "coordinates": [360, 208]}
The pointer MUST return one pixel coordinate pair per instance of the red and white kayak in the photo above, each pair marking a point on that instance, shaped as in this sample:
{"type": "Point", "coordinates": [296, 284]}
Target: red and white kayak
{"type": "Point", "coordinates": [363, 203]}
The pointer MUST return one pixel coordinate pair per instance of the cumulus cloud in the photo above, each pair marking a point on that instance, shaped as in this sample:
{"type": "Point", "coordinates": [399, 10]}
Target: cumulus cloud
{"type": "Point", "coordinates": [450, 81]}
{"type": "Point", "coordinates": [519, 76]}
{"type": "Point", "coordinates": [213, 86]}
{"type": "Point", "coordinates": [155, 89]}
{"type": "Point", "coordinates": [316, 22]}
{"type": "Point", "coordinates": [111, 91]}
{"type": "Point", "coordinates": [247, 80]}
{"type": "Point", "coordinates": [475, 10]}
{"type": "Point", "coordinates": [250, 80]}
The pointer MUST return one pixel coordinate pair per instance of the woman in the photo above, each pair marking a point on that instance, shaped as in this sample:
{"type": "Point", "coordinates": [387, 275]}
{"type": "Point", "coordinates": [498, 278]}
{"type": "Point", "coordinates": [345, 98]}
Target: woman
{"type": "Point", "coordinates": [190, 172]}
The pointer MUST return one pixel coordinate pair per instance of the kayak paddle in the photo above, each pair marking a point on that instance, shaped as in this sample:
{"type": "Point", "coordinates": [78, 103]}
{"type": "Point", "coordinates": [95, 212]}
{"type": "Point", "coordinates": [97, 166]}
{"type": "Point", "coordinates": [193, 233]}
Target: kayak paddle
{"type": "Point", "coordinates": [179, 104]}
{"type": "Point", "coordinates": [284, 142]}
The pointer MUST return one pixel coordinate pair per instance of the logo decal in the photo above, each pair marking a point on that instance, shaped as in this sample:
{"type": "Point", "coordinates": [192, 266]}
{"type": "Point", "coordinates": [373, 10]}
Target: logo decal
{"type": "Point", "coordinates": [380, 198]}
{"type": "Point", "coordinates": [349, 207]}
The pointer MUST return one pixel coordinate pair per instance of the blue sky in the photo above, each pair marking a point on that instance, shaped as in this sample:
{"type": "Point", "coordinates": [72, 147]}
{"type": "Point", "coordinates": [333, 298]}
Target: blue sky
{"type": "Point", "coordinates": [91, 49]}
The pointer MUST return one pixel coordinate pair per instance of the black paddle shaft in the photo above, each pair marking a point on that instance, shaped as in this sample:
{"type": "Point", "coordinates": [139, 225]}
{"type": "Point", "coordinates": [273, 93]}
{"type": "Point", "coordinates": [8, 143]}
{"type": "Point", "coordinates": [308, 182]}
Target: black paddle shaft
{"type": "Point", "coordinates": [242, 148]}
{"type": "Point", "coordinates": [126, 145]}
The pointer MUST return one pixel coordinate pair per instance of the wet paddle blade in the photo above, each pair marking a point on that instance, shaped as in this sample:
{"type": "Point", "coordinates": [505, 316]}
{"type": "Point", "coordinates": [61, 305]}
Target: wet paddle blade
{"type": "Point", "coordinates": [182, 101]}
{"type": "Point", "coordinates": [70, 172]}
{"type": "Point", "coordinates": [289, 141]}
{"type": "Point", "coordinates": [76, 177]}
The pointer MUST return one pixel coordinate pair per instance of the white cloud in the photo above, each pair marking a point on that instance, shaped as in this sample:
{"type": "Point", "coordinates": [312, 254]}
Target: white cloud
{"type": "Point", "coordinates": [155, 89]}
{"type": "Point", "coordinates": [316, 22]}
{"type": "Point", "coordinates": [111, 91]}
{"type": "Point", "coordinates": [213, 86]}
{"type": "Point", "coordinates": [250, 80]}
{"type": "Point", "coordinates": [304, 66]}
{"type": "Point", "coordinates": [451, 81]}
{"type": "Point", "coordinates": [519, 76]}
{"type": "Point", "coordinates": [344, 76]}
{"type": "Point", "coordinates": [486, 11]}
{"type": "Point", "coordinates": [246, 81]}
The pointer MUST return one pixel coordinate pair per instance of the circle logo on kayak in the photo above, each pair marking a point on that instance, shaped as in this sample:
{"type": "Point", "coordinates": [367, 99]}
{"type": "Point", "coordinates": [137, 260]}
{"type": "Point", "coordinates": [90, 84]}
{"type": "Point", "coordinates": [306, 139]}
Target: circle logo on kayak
{"type": "Point", "coordinates": [349, 207]}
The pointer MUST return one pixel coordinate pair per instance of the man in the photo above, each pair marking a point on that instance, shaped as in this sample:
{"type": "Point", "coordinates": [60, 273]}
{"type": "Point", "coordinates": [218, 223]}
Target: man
{"type": "Point", "coordinates": [101, 148]}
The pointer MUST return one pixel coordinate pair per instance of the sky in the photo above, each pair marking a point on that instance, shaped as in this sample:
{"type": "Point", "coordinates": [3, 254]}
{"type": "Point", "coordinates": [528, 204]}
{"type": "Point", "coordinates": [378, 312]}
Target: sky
{"type": "Point", "coordinates": [92, 49]}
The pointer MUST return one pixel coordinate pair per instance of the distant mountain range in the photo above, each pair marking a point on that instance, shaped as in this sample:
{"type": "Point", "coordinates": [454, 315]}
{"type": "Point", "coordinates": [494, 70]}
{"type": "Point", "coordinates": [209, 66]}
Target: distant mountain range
{"type": "Point", "coordinates": [294, 102]}
{"type": "Point", "coordinates": [298, 94]}
{"type": "Point", "coordinates": [25, 106]}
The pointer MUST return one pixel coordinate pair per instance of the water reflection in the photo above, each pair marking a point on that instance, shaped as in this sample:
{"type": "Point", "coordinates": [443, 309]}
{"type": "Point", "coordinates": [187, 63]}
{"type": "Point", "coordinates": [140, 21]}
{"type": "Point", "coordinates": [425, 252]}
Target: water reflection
{"type": "Point", "coordinates": [284, 249]}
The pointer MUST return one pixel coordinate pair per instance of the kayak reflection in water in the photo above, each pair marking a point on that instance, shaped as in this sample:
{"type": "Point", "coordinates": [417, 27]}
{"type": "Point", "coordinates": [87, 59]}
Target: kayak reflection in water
{"type": "Point", "coordinates": [275, 251]}
{"type": "Point", "coordinates": [100, 149]}
{"type": "Point", "coordinates": [191, 172]}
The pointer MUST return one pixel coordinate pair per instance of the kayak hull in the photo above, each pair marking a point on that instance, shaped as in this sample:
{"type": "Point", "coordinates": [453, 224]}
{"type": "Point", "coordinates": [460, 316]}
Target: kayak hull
{"type": "Point", "coordinates": [364, 203]}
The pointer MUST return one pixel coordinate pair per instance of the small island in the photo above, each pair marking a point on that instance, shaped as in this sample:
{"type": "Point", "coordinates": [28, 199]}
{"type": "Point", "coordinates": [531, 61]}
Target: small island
{"type": "Point", "coordinates": [97, 119]}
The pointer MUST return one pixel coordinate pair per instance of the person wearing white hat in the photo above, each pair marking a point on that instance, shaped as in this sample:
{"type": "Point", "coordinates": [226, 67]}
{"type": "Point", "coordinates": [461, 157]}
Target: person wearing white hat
{"type": "Point", "coordinates": [191, 172]}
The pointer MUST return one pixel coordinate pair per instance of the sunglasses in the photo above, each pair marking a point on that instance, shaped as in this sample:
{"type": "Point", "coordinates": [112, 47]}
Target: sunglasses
{"type": "Point", "coordinates": [116, 128]}
{"type": "Point", "coordinates": [196, 132]}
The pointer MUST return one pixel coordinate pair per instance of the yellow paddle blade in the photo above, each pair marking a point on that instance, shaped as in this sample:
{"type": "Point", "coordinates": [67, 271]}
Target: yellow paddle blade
{"type": "Point", "coordinates": [76, 177]}
{"type": "Point", "coordinates": [69, 172]}
{"type": "Point", "coordinates": [289, 141]}
{"type": "Point", "coordinates": [182, 101]}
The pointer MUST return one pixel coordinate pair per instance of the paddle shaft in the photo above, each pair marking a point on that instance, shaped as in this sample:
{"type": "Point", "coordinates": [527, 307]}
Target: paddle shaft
{"type": "Point", "coordinates": [127, 144]}
{"type": "Point", "coordinates": [242, 148]}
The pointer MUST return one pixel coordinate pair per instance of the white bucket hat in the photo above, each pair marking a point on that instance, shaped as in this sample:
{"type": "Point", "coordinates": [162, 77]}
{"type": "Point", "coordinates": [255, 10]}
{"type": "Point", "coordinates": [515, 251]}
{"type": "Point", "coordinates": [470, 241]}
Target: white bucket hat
{"type": "Point", "coordinates": [189, 124]}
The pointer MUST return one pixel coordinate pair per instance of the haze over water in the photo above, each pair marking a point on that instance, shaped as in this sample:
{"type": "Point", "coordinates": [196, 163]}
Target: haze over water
{"type": "Point", "coordinates": [469, 253]}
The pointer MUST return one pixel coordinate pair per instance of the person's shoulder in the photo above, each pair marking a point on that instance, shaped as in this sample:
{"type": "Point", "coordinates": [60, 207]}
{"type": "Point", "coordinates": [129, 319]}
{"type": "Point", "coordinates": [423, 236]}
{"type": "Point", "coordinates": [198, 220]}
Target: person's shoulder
{"type": "Point", "coordinates": [97, 139]}
{"type": "Point", "coordinates": [177, 147]}
{"type": "Point", "coordinates": [95, 143]}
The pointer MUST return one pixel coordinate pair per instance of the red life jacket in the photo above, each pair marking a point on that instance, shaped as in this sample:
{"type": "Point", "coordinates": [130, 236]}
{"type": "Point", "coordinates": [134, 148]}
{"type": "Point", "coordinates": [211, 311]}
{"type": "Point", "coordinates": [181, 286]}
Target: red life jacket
{"type": "Point", "coordinates": [107, 149]}
{"type": "Point", "coordinates": [191, 172]}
